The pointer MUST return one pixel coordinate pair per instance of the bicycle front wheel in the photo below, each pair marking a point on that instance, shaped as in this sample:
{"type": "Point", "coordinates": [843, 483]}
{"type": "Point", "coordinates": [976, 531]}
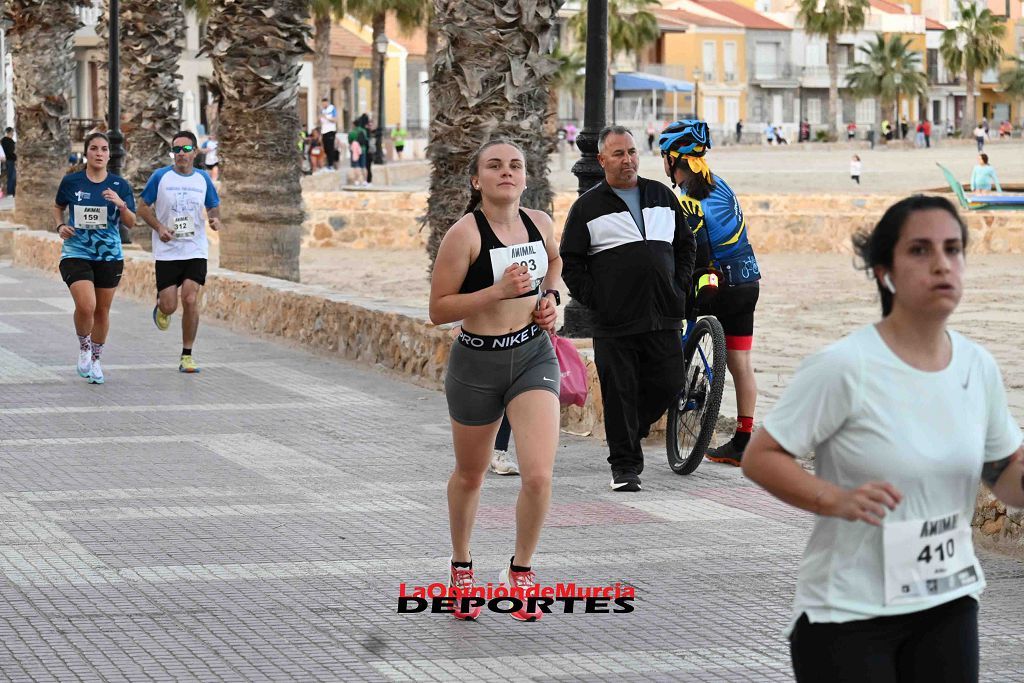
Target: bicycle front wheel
{"type": "Point", "coordinates": [692, 417]}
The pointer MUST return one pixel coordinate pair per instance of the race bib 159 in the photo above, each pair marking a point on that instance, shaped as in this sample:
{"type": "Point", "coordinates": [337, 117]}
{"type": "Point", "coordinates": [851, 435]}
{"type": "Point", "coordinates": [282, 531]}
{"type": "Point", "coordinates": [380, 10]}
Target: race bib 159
{"type": "Point", "coordinates": [90, 217]}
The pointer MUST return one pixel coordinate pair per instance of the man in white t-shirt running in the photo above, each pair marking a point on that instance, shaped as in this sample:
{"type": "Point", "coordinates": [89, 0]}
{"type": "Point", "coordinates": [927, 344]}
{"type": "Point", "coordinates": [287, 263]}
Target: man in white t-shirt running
{"type": "Point", "coordinates": [172, 203]}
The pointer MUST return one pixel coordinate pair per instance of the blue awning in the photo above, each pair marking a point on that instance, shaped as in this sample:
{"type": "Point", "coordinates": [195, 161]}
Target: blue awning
{"type": "Point", "coordinates": [642, 81]}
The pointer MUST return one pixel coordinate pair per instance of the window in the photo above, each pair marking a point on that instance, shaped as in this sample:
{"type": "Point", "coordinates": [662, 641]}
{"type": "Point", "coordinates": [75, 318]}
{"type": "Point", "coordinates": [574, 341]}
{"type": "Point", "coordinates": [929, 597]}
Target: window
{"type": "Point", "coordinates": [767, 60]}
{"type": "Point", "coordinates": [812, 111]}
{"type": "Point", "coordinates": [866, 110]}
{"type": "Point", "coordinates": [729, 61]}
{"type": "Point", "coordinates": [708, 62]}
{"type": "Point", "coordinates": [710, 113]}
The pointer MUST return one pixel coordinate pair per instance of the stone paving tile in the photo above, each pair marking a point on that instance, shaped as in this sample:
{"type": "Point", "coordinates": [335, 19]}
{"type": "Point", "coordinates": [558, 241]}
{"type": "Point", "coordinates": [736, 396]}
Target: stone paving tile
{"type": "Point", "coordinates": [254, 523]}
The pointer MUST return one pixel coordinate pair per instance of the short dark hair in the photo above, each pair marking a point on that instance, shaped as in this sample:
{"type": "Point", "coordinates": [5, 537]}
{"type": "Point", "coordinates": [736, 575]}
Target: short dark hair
{"type": "Point", "coordinates": [610, 130]}
{"type": "Point", "coordinates": [186, 134]}
{"type": "Point", "coordinates": [8, 130]}
{"type": "Point", "coordinates": [984, 158]}
{"type": "Point", "coordinates": [876, 248]}
{"type": "Point", "coordinates": [93, 136]}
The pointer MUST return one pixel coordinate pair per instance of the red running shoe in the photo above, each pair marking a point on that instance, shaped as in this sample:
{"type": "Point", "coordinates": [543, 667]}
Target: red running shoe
{"type": "Point", "coordinates": [461, 579]}
{"type": "Point", "coordinates": [522, 580]}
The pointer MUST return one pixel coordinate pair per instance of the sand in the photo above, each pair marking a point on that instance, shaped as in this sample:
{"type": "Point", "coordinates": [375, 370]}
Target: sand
{"type": "Point", "coordinates": [807, 301]}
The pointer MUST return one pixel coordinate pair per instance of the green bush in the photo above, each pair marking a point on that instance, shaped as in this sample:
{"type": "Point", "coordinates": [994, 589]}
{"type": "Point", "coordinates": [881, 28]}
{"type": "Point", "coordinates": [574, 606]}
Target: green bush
{"type": "Point", "coordinates": [820, 135]}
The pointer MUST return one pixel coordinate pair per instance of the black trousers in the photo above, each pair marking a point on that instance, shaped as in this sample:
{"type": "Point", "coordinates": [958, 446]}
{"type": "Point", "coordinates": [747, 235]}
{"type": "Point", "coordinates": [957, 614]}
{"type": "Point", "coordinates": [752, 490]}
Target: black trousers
{"type": "Point", "coordinates": [640, 376]}
{"type": "Point", "coordinates": [329, 148]}
{"type": "Point", "coordinates": [937, 645]}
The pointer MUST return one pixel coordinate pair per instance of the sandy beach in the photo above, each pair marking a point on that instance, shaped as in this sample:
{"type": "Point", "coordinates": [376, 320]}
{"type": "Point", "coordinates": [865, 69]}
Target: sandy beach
{"type": "Point", "coordinates": [807, 301]}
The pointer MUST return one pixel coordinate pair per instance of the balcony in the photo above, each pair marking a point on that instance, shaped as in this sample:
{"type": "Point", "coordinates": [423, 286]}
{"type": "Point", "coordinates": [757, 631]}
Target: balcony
{"type": "Point", "coordinates": [817, 76]}
{"type": "Point", "coordinates": [772, 75]}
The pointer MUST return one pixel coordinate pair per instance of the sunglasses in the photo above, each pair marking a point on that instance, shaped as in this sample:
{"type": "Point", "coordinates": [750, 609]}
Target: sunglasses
{"type": "Point", "coordinates": [178, 149]}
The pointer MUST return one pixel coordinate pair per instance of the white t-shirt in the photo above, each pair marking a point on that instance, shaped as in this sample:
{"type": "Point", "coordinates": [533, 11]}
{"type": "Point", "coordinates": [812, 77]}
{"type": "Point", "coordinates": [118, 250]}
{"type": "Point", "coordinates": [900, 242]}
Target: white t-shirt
{"type": "Point", "coordinates": [179, 201]}
{"type": "Point", "coordinates": [871, 417]}
{"type": "Point", "coordinates": [210, 148]}
{"type": "Point", "coordinates": [326, 125]}
{"type": "Point", "coordinates": [855, 168]}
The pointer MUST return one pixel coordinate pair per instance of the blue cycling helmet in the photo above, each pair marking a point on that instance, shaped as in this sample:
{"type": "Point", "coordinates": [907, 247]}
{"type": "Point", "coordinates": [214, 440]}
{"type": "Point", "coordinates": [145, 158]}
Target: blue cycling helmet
{"type": "Point", "coordinates": [689, 136]}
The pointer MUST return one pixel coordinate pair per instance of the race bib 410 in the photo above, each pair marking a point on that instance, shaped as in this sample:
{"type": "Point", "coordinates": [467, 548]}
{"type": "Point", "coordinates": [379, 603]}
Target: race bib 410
{"type": "Point", "coordinates": [928, 557]}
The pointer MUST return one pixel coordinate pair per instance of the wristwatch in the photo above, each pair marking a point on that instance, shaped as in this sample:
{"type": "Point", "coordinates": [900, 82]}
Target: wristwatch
{"type": "Point", "coordinates": [558, 297]}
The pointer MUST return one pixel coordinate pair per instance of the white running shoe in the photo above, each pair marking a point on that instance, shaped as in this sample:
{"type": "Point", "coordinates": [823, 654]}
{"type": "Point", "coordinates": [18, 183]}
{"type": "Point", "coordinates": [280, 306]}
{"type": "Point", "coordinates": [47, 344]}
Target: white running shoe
{"type": "Point", "coordinates": [502, 464]}
{"type": "Point", "coordinates": [96, 374]}
{"type": "Point", "coordinates": [84, 362]}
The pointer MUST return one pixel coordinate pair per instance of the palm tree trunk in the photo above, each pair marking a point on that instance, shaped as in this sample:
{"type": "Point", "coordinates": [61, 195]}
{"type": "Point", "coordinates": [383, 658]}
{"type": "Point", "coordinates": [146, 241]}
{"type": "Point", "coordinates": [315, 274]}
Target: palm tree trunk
{"type": "Point", "coordinates": [379, 20]}
{"type": "Point", "coordinates": [256, 48]}
{"type": "Point", "coordinates": [833, 86]}
{"type": "Point", "coordinates": [152, 40]}
{"type": "Point", "coordinates": [39, 35]}
{"type": "Point", "coordinates": [967, 125]}
{"type": "Point", "coordinates": [490, 79]}
{"type": "Point", "coordinates": [322, 55]}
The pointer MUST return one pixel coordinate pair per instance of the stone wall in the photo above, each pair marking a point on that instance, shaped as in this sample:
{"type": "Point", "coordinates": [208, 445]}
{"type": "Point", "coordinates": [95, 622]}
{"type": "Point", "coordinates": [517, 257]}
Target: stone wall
{"type": "Point", "coordinates": [778, 223]}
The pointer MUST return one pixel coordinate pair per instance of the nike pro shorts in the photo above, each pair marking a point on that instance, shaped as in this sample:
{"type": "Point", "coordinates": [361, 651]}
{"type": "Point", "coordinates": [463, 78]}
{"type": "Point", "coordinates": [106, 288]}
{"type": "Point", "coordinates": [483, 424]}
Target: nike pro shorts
{"type": "Point", "coordinates": [486, 373]}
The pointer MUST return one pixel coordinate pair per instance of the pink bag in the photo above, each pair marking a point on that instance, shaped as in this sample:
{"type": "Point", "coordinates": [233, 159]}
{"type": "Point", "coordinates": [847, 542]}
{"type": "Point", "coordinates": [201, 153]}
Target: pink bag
{"type": "Point", "coordinates": [573, 390]}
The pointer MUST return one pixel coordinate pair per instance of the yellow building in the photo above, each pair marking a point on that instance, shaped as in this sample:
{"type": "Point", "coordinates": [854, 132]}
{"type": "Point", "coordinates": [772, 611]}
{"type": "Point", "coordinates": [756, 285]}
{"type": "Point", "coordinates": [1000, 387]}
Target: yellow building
{"type": "Point", "coordinates": [707, 49]}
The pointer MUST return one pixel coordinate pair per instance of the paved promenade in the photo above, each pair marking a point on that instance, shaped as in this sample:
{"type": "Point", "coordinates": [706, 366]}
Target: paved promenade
{"type": "Point", "coordinates": [253, 522]}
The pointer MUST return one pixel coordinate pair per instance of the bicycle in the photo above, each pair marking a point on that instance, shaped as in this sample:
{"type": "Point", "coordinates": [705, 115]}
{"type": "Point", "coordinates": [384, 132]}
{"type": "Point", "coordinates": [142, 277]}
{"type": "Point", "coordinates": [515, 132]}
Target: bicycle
{"type": "Point", "coordinates": [692, 418]}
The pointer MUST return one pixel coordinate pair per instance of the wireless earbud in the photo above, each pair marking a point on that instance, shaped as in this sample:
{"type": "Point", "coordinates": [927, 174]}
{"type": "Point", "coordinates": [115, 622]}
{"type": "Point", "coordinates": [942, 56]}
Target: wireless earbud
{"type": "Point", "coordinates": [888, 283]}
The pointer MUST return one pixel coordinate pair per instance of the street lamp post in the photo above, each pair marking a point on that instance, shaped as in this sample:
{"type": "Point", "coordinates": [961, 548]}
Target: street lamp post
{"type": "Point", "coordinates": [380, 43]}
{"type": "Point", "coordinates": [578, 318]}
{"type": "Point", "coordinates": [114, 102]}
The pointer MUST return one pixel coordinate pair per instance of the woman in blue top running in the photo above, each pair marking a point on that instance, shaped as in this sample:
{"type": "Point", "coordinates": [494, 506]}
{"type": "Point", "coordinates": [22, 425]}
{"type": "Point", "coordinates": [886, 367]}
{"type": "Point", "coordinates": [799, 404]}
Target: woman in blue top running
{"type": "Point", "coordinates": [723, 250]}
{"type": "Point", "coordinates": [91, 258]}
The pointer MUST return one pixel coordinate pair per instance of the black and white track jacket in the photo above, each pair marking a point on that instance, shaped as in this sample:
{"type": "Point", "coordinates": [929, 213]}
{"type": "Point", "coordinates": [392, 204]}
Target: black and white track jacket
{"type": "Point", "coordinates": [633, 282]}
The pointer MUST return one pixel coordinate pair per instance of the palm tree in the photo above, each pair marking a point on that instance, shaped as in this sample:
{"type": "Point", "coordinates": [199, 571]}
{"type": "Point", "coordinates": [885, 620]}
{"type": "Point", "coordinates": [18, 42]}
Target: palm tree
{"type": "Point", "coordinates": [569, 78]}
{"type": "Point", "coordinates": [39, 33]}
{"type": "Point", "coordinates": [831, 18]}
{"type": "Point", "coordinates": [411, 14]}
{"type": "Point", "coordinates": [888, 70]}
{"type": "Point", "coordinates": [490, 79]}
{"type": "Point", "coordinates": [324, 13]}
{"type": "Point", "coordinates": [973, 45]}
{"type": "Point", "coordinates": [631, 27]}
{"type": "Point", "coordinates": [256, 48]}
{"type": "Point", "coordinates": [152, 38]}
{"type": "Point", "coordinates": [1011, 80]}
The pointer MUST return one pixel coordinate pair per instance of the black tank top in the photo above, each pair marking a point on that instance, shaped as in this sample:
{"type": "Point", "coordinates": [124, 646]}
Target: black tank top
{"type": "Point", "coordinates": [495, 257]}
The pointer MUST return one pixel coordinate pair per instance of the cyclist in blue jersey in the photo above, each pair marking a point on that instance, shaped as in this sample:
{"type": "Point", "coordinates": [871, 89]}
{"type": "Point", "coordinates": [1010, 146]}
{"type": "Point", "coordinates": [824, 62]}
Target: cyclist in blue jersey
{"type": "Point", "coordinates": [726, 274]}
{"type": "Point", "coordinates": [91, 258]}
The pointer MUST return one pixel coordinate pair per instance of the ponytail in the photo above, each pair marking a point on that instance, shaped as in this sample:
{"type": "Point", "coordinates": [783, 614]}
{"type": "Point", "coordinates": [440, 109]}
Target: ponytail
{"type": "Point", "coordinates": [474, 200]}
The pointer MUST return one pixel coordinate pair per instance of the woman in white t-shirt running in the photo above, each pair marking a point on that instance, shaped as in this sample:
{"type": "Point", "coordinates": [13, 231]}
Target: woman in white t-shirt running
{"type": "Point", "coordinates": [905, 417]}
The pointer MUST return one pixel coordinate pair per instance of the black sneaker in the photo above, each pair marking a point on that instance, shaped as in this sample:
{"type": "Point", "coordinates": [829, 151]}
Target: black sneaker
{"type": "Point", "coordinates": [727, 453]}
{"type": "Point", "coordinates": [625, 481]}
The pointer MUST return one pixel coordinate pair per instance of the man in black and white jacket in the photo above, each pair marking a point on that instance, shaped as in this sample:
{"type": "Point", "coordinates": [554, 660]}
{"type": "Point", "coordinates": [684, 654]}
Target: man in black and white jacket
{"type": "Point", "coordinates": [628, 255]}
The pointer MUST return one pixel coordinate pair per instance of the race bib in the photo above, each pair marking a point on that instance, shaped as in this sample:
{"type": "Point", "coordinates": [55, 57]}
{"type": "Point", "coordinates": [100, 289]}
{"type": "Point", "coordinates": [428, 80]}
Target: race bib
{"type": "Point", "coordinates": [184, 227]}
{"type": "Point", "coordinates": [533, 255]}
{"type": "Point", "coordinates": [929, 557]}
{"type": "Point", "coordinates": [90, 217]}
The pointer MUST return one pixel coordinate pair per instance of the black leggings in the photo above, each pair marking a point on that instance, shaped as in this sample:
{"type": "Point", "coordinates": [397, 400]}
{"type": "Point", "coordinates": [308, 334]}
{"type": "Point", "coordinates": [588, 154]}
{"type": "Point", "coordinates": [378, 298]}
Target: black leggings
{"type": "Point", "coordinates": [937, 645]}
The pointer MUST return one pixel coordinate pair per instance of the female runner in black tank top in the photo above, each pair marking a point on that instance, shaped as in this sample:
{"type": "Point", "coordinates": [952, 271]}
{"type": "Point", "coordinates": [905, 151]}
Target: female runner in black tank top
{"type": "Point", "coordinates": [497, 306]}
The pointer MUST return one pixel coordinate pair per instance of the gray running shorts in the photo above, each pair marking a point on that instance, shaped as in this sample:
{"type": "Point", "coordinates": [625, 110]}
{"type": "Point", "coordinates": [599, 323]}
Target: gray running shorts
{"type": "Point", "coordinates": [486, 373]}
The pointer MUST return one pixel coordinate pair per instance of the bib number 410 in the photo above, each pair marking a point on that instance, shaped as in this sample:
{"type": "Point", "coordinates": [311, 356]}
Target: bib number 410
{"type": "Point", "coordinates": [940, 552]}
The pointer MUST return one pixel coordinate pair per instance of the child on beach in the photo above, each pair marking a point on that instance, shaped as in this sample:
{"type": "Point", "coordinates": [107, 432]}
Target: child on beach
{"type": "Point", "coordinates": [855, 168]}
